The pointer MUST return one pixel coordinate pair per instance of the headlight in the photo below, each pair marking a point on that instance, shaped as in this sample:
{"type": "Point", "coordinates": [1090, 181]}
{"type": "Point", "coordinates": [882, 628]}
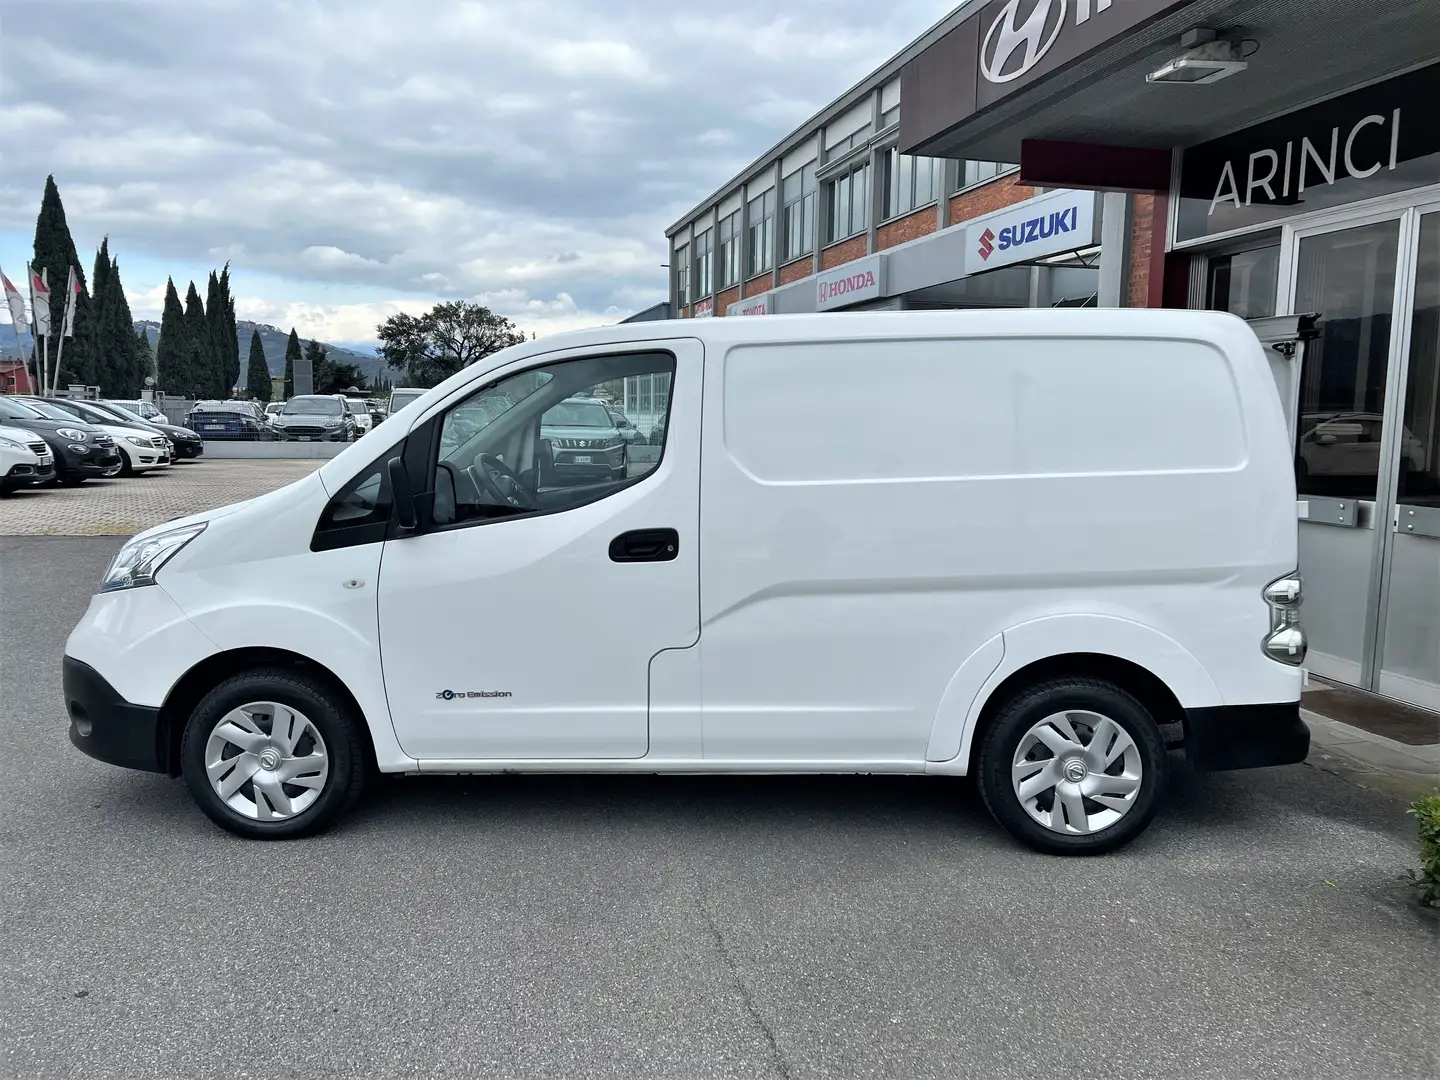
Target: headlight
{"type": "Point", "coordinates": [135, 440]}
{"type": "Point", "coordinates": [140, 560]}
{"type": "Point", "coordinates": [10, 440]}
{"type": "Point", "coordinates": [71, 434]}
{"type": "Point", "coordinates": [332, 423]}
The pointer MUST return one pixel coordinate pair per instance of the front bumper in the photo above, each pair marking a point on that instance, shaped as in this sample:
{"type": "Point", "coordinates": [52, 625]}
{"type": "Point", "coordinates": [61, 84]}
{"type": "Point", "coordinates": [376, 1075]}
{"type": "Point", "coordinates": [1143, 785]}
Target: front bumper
{"type": "Point", "coordinates": [1245, 736]}
{"type": "Point", "coordinates": [101, 462]}
{"type": "Point", "coordinates": [189, 449]}
{"type": "Point", "coordinates": [23, 475]}
{"type": "Point", "coordinates": [106, 726]}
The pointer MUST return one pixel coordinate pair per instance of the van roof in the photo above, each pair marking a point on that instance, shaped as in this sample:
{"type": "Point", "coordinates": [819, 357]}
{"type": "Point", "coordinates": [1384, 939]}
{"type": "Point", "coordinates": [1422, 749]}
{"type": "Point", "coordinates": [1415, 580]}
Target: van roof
{"type": "Point", "coordinates": [845, 325]}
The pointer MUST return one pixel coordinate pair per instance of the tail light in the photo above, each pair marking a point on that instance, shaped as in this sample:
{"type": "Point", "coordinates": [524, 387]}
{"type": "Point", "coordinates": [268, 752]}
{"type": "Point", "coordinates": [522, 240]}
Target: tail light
{"type": "Point", "coordinates": [1286, 640]}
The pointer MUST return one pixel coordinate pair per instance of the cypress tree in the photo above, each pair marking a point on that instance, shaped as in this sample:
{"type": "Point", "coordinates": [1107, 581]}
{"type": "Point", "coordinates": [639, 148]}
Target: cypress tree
{"type": "Point", "coordinates": [144, 360]}
{"type": "Point", "coordinates": [220, 386]}
{"type": "Point", "coordinates": [101, 363]}
{"type": "Point", "coordinates": [171, 353]}
{"type": "Point", "coordinates": [55, 252]}
{"type": "Point", "coordinates": [257, 375]}
{"type": "Point", "coordinates": [228, 334]}
{"type": "Point", "coordinates": [199, 371]}
{"type": "Point", "coordinates": [126, 379]}
{"type": "Point", "coordinates": [292, 353]}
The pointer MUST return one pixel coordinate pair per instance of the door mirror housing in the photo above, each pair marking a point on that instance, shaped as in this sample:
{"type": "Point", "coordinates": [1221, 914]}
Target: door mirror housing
{"type": "Point", "coordinates": [400, 492]}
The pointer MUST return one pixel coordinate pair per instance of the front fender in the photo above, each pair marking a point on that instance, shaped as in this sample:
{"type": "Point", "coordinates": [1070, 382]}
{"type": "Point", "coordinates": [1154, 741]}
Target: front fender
{"type": "Point", "coordinates": [348, 653]}
{"type": "Point", "coordinates": [1059, 635]}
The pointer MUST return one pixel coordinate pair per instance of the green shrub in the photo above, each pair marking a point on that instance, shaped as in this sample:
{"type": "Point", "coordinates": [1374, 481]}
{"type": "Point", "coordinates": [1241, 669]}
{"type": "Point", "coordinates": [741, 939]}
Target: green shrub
{"type": "Point", "coordinates": [1427, 879]}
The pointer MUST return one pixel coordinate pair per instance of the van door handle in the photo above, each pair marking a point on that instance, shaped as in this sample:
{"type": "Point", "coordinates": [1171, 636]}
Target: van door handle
{"type": "Point", "coordinates": [645, 545]}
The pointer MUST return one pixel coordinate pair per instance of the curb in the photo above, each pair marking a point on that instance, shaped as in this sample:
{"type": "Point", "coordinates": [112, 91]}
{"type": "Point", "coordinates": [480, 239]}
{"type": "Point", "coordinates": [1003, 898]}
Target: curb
{"type": "Point", "coordinates": [1372, 760]}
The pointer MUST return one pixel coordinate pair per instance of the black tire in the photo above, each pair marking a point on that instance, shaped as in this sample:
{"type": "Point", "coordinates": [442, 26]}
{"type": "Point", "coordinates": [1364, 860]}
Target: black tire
{"type": "Point", "coordinates": [349, 763]}
{"type": "Point", "coordinates": [126, 469]}
{"type": "Point", "coordinates": [1001, 740]}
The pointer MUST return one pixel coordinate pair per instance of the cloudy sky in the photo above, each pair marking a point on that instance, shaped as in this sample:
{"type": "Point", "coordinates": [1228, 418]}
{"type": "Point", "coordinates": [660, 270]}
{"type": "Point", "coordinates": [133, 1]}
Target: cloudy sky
{"type": "Point", "coordinates": [351, 158]}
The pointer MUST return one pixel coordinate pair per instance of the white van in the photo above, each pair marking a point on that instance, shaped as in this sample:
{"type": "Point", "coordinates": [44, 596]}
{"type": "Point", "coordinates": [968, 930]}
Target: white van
{"type": "Point", "coordinates": [1034, 546]}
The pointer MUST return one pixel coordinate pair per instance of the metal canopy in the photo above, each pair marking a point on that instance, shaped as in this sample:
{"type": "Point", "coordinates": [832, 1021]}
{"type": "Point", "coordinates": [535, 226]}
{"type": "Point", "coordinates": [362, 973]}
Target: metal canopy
{"type": "Point", "coordinates": [1308, 50]}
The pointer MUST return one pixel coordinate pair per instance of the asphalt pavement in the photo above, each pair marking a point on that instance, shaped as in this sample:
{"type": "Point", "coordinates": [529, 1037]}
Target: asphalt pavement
{"type": "Point", "coordinates": [656, 927]}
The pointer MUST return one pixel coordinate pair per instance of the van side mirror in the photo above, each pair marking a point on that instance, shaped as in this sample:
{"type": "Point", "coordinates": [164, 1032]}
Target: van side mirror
{"type": "Point", "coordinates": [400, 492]}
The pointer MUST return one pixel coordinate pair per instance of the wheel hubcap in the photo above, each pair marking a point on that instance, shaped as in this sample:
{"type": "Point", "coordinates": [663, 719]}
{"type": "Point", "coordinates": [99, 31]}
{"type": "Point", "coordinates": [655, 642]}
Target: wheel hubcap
{"type": "Point", "coordinates": [266, 761]}
{"type": "Point", "coordinates": [1077, 772]}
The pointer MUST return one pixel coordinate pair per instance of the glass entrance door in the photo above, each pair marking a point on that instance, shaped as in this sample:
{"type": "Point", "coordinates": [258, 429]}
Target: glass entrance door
{"type": "Point", "coordinates": [1409, 656]}
{"type": "Point", "coordinates": [1348, 277]}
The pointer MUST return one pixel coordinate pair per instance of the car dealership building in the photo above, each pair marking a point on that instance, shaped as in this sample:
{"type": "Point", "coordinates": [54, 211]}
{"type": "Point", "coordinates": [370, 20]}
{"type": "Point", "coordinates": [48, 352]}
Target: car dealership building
{"type": "Point", "coordinates": [1277, 159]}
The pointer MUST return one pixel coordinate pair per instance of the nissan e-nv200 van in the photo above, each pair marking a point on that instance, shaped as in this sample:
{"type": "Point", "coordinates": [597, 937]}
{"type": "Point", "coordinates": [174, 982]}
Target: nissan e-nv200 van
{"type": "Point", "coordinates": [1039, 547]}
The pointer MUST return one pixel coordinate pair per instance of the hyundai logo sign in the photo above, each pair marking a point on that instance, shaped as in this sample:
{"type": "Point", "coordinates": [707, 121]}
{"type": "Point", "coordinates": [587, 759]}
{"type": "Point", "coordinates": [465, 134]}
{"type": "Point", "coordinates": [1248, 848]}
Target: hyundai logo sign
{"type": "Point", "coordinates": [1024, 31]}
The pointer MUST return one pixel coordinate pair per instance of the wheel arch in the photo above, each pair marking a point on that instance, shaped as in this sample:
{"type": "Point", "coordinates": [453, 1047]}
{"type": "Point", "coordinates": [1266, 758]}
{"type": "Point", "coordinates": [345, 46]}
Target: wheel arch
{"type": "Point", "coordinates": [210, 672]}
{"type": "Point", "coordinates": [1151, 666]}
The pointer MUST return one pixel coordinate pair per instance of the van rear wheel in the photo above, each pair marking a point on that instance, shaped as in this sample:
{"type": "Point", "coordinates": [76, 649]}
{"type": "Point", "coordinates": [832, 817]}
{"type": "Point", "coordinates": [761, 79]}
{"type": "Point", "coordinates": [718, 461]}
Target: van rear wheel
{"type": "Point", "coordinates": [273, 754]}
{"type": "Point", "coordinates": [1073, 766]}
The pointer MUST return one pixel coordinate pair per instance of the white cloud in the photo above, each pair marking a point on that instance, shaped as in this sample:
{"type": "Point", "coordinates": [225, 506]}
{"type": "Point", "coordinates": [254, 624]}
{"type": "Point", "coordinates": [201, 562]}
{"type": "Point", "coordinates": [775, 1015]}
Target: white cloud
{"type": "Point", "coordinates": [533, 153]}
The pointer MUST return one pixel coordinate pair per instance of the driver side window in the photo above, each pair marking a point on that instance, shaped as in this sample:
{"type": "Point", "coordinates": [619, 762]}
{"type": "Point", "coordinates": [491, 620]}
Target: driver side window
{"type": "Point", "coordinates": [550, 438]}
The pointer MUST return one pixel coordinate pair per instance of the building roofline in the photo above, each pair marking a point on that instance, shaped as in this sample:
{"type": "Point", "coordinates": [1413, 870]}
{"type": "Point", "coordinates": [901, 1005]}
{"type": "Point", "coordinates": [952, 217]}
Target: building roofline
{"type": "Point", "coordinates": [881, 75]}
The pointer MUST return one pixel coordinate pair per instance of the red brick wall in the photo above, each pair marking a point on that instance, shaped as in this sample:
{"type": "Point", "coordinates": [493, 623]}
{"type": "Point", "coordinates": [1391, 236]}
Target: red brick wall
{"type": "Point", "coordinates": [796, 270]}
{"type": "Point", "coordinates": [757, 284]}
{"type": "Point", "coordinates": [1146, 287]}
{"type": "Point", "coordinates": [726, 298]}
{"type": "Point", "coordinates": [843, 252]}
{"type": "Point", "coordinates": [685, 311]}
{"type": "Point", "coordinates": [910, 227]}
{"type": "Point", "coordinates": [985, 200]}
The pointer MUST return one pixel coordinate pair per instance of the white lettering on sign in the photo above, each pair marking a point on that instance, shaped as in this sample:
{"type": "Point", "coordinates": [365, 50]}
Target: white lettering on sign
{"type": "Point", "coordinates": [703, 308]}
{"type": "Point", "coordinates": [1313, 166]}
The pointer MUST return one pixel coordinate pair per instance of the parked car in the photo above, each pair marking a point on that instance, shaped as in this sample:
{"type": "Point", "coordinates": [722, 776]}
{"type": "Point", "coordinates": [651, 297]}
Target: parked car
{"type": "Point", "coordinates": [628, 431]}
{"type": "Point", "coordinates": [230, 420]}
{"type": "Point", "coordinates": [184, 443]}
{"type": "Point", "coordinates": [272, 409]}
{"type": "Point", "coordinates": [141, 450]}
{"type": "Point", "coordinates": [1039, 594]}
{"type": "Point", "coordinates": [359, 413]}
{"type": "Point", "coordinates": [140, 407]}
{"type": "Point", "coordinates": [82, 451]}
{"type": "Point", "coordinates": [586, 443]}
{"type": "Point", "coordinates": [25, 459]}
{"type": "Point", "coordinates": [144, 446]}
{"type": "Point", "coordinates": [401, 396]}
{"type": "Point", "coordinates": [316, 418]}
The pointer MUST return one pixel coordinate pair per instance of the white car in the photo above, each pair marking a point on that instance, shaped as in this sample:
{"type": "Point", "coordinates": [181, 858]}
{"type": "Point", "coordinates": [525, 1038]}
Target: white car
{"type": "Point", "coordinates": [140, 451]}
{"type": "Point", "coordinates": [360, 411]}
{"type": "Point", "coordinates": [25, 460]}
{"type": "Point", "coordinates": [1019, 567]}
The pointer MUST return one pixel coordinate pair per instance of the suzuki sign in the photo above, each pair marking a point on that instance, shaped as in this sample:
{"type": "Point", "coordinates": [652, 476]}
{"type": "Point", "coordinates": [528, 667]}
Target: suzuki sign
{"type": "Point", "coordinates": [1034, 229]}
{"type": "Point", "coordinates": [853, 283]}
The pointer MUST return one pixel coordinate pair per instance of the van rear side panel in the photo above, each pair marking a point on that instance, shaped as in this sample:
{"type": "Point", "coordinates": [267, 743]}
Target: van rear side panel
{"type": "Point", "coordinates": [875, 509]}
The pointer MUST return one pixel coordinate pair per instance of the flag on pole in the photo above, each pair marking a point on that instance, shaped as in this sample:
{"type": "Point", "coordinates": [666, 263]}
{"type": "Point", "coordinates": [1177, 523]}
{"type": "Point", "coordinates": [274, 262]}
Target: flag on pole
{"type": "Point", "coordinates": [73, 292]}
{"type": "Point", "coordinates": [40, 301]}
{"type": "Point", "coordinates": [16, 302]}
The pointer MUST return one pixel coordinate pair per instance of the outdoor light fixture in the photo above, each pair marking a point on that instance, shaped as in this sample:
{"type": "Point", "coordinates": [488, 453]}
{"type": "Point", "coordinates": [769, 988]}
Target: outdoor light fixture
{"type": "Point", "coordinates": [1208, 58]}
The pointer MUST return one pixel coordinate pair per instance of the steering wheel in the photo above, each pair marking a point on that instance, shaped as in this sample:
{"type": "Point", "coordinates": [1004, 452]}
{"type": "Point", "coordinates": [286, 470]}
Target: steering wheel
{"type": "Point", "coordinates": [492, 472]}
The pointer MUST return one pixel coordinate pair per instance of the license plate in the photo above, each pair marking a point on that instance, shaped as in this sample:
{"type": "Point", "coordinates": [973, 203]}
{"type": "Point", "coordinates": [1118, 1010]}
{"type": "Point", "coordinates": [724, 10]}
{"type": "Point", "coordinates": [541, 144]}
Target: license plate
{"type": "Point", "coordinates": [46, 459]}
{"type": "Point", "coordinates": [583, 459]}
{"type": "Point", "coordinates": [213, 427]}
{"type": "Point", "coordinates": [303, 438]}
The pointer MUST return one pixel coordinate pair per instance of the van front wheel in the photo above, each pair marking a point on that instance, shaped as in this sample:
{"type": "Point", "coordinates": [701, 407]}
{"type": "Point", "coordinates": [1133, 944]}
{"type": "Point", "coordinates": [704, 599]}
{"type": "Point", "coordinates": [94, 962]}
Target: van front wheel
{"type": "Point", "coordinates": [273, 754]}
{"type": "Point", "coordinates": [1073, 766]}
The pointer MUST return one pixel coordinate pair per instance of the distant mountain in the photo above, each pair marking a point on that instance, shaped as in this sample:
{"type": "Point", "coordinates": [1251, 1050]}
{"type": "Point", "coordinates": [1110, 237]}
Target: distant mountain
{"type": "Point", "coordinates": [273, 340]}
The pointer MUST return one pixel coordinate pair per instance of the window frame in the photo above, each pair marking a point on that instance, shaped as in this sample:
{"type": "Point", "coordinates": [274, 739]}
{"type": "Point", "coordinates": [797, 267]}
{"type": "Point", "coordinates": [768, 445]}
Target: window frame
{"type": "Point", "coordinates": [853, 206]}
{"type": "Point", "coordinates": [760, 228]}
{"type": "Point", "coordinates": [704, 264]}
{"type": "Point", "coordinates": [426, 466]}
{"type": "Point", "coordinates": [682, 274]}
{"type": "Point", "coordinates": [731, 229]}
{"type": "Point", "coordinates": [330, 538]}
{"type": "Point", "coordinates": [801, 208]}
